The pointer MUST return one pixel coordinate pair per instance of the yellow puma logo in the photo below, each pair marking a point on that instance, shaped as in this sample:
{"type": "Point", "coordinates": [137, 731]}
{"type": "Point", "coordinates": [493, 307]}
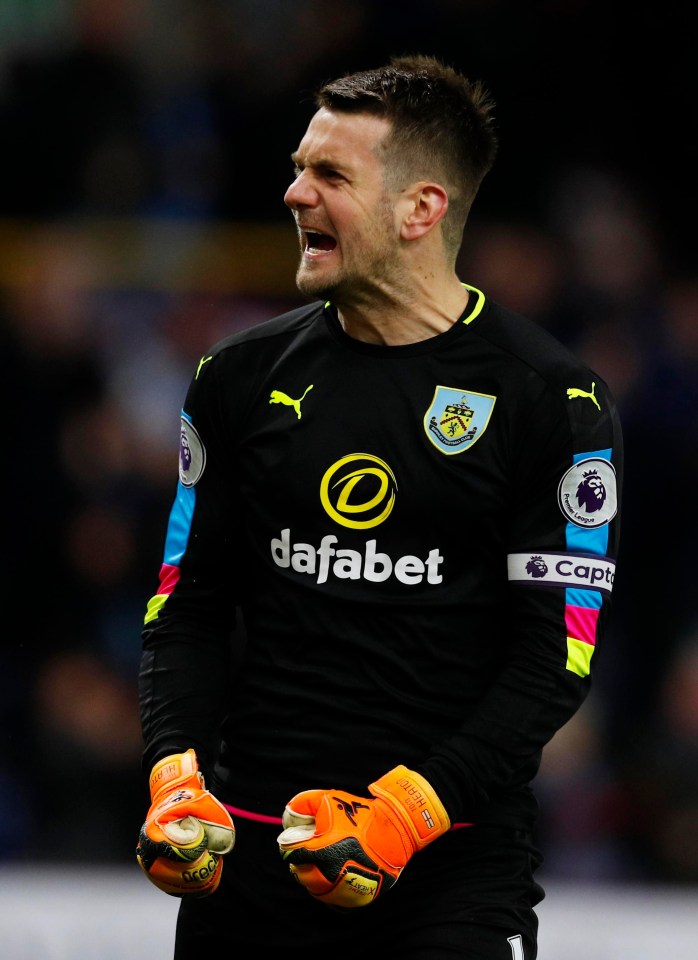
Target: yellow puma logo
{"type": "Point", "coordinates": [201, 363]}
{"type": "Point", "coordinates": [278, 396]}
{"type": "Point", "coordinates": [576, 392]}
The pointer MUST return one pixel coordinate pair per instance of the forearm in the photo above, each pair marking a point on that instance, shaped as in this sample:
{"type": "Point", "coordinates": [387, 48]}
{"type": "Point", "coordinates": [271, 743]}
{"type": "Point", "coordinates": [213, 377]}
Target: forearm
{"type": "Point", "coordinates": [498, 745]}
{"type": "Point", "coordinates": [182, 686]}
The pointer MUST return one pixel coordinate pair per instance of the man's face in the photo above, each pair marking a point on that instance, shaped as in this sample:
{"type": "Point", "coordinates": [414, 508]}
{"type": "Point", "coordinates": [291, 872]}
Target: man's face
{"type": "Point", "coordinates": [347, 223]}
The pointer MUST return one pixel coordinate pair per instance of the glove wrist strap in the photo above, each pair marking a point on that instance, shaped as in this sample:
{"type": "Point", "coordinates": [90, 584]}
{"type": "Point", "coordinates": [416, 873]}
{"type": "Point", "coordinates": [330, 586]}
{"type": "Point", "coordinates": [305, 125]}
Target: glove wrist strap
{"type": "Point", "coordinates": [416, 803]}
{"type": "Point", "coordinates": [175, 771]}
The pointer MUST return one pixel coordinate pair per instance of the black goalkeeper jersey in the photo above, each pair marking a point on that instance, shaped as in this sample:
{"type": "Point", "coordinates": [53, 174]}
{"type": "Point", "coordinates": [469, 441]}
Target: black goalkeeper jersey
{"type": "Point", "coordinates": [417, 543]}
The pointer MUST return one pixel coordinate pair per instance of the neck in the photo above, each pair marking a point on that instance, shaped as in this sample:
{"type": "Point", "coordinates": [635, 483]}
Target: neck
{"type": "Point", "coordinates": [405, 316]}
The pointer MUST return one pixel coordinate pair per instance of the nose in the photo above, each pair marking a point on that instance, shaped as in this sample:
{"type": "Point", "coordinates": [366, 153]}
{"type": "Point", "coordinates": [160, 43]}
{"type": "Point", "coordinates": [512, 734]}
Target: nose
{"type": "Point", "coordinates": [301, 193]}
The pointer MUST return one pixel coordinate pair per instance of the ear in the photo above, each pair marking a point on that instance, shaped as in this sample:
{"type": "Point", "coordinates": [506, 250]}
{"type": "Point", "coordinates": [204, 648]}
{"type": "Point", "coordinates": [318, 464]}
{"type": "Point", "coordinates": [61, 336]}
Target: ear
{"type": "Point", "coordinates": [427, 204]}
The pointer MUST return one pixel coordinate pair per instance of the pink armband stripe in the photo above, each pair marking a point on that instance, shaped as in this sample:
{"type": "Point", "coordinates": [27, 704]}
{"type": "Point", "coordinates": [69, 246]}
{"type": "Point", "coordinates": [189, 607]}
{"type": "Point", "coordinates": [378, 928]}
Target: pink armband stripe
{"type": "Point", "coordinates": [581, 623]}
{"type": "Point", "coordinates": [169, 575]}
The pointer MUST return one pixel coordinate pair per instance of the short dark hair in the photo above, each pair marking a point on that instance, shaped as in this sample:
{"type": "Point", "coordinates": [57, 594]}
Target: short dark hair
{"type": "Point", "coordinates": [442, 126]}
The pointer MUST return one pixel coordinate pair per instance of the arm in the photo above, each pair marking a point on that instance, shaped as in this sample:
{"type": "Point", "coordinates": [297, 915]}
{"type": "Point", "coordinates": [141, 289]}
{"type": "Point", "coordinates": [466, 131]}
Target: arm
{"type": "Point", "coordinates": [555, 630]}
{"type": "Point", "coordinates": [189, 622]}
{"type": "Point", "coordinates": [185, 667]}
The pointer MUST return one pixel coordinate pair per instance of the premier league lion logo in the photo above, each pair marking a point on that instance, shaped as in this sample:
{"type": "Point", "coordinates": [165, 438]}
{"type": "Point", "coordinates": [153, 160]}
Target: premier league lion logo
{"type": "Point", "coordinates": [587, 493]}
{"type": "Point", "coordinates": [536, 567]}
{"type": "Point", "coordinates": [184, 451]}
{"type": "Point", "coordinates": [591, 492]}
{"type": "Point", "coordinates": [192, 455]}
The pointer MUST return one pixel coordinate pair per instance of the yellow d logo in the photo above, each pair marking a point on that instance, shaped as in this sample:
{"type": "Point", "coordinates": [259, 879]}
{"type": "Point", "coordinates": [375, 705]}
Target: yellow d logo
{"type": "Point", "coordinates": [369, 488]}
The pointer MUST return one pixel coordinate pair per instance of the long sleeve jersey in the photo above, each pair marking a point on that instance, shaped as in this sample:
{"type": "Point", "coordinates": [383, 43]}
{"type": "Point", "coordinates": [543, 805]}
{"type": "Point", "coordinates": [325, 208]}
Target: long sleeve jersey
{"type": "Point", "coordinates": [381, 555]}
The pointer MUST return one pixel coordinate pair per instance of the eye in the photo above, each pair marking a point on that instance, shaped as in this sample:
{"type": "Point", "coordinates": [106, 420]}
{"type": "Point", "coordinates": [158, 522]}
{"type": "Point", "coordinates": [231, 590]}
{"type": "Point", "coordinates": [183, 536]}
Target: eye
{"type": "Point", "coordinates": [331, 174]}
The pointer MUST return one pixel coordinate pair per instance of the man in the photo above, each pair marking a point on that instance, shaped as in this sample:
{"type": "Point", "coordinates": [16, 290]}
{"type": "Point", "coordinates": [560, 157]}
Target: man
{"type": "Point", "coordinates": [411, 496]}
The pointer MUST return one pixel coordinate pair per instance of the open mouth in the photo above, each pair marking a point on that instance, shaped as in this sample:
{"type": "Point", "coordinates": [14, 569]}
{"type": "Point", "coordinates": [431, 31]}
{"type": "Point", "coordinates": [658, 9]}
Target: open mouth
{"type": "Point", "coordinates": [318, 242]}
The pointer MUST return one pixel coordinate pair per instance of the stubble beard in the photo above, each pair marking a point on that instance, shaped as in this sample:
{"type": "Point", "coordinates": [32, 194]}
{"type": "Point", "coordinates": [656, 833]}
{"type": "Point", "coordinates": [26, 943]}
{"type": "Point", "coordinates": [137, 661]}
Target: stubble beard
{"type": "Point", "coordinates": [341, 289]}
{"type": "Point", "coordinates": [313, 287]}
{"type": "Point", "coordinates": [338, 285]}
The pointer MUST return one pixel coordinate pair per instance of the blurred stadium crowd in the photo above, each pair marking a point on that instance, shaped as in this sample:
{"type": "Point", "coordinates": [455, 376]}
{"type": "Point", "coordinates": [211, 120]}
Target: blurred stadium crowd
{"type": "Point", "coordinates": [146, 151]}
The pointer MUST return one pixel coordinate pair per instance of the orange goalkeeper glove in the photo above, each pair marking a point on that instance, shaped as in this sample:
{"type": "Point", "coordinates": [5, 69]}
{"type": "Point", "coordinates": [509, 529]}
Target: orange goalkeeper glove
{"type": "Point", "coordinates": [186, 830]}
{"type": "Point", "coordinates": [346, 850]}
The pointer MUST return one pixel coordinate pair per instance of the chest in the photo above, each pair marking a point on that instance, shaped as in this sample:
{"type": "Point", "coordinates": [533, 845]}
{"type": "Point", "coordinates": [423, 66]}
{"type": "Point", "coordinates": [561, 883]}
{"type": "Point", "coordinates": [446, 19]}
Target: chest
{"type": "Point", "coordinates": [413, 452]}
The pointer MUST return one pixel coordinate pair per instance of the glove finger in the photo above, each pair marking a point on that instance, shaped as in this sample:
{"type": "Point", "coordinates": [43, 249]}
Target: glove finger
{"type": "Point", "coordinates": [186, 832]}
{"type": "Point", "coordinates": [303, 807]}
{"type": "Point", "coordinates": [220, 839]}
{"type": "Point", "coordinates": [297, 833]}
{"type": "Point", "coordinates": [292, 818]}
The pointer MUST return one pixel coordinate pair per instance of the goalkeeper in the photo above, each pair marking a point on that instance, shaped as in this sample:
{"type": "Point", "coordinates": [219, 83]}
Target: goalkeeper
{"type": "Point", "coordinates": [387, 571]}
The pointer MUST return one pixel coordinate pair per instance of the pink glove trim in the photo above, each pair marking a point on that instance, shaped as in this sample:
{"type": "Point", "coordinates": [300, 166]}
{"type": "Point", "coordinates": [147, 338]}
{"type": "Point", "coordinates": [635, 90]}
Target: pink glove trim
{"type": "Point", "coordinates": [249, 815]}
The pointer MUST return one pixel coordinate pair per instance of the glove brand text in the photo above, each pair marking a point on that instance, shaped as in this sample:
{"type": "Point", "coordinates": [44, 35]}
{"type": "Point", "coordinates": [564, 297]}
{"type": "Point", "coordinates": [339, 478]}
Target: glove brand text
{"type": "Point", "coordinates": [415, 799]}
{"type": "Point", "coordinates": [201, 873]}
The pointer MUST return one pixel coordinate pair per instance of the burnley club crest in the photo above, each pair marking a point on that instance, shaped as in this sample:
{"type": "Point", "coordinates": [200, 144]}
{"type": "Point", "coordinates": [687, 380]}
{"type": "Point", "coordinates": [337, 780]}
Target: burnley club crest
{"type": "Point", "coordinates": [457, 418]}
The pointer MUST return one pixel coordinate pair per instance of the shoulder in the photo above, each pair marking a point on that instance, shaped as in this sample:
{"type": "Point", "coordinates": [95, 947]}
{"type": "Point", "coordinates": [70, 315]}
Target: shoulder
{"type": "Point", "coordinates": [232, 365]}
{"type": "Point", "coordinates": [256, 345]}
{"type": "Point", "coordinates": [526, 343]}
{"type": "Point", "coordinates": [544, 374]}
